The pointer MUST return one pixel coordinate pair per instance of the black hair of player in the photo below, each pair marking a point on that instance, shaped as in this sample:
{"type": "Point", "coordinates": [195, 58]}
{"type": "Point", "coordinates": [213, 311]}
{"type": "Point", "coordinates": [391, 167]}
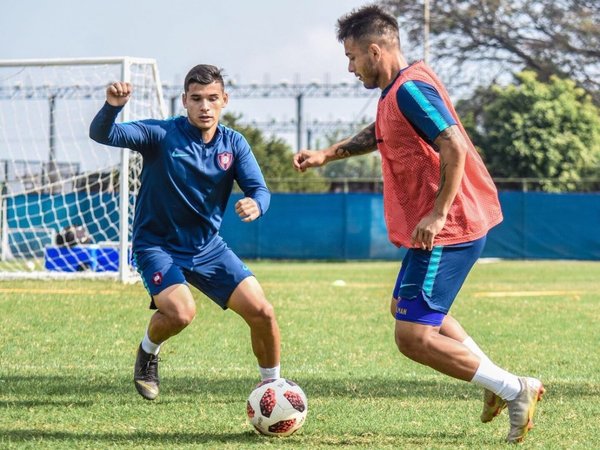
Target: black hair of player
{"type": "Point", "coordinates": [204, 74]}
{"type": "Point", "coordinates": [367, 22]}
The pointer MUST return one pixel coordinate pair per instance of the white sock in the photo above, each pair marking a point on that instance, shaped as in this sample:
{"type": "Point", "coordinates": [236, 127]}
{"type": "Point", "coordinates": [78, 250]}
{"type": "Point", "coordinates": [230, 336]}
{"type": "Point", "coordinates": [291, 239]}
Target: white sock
{"type": "Point", "coordinates": [502, 383]}
{"type": "Point", "coordinates": [472, 345]}
{"type": "Point", "coordinates": [271, 372]}
{"type": "Point", "coordinates": [148, 346]}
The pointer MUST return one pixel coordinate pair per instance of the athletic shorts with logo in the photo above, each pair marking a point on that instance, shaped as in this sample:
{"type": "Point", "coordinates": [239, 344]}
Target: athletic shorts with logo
{"type": "Point", "coordinates": [429, 281]}
{"type": "Point", "coordinates": [216, 273]}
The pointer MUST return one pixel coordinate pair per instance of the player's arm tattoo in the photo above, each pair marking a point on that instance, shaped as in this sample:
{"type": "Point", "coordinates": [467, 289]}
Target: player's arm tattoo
{"type": "Point", "coordinates": [448, 133]}
{"type": "Point", "coordinates": [449, 138]}
{"type": "Point", "coordinates": [363, 142]}
{"type": "Point", "coordinates": [443, 168]}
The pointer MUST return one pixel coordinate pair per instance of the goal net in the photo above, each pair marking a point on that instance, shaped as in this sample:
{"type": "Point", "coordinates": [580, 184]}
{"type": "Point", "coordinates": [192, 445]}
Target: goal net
{"type": "Point", "coordinates": [67, 202]}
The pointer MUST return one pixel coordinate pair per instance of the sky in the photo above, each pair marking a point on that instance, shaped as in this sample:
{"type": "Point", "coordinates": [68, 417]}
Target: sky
{"type": "Point", "coordinates": [254, 41]}
{"type": "Point", "coordinates": [280, 39]}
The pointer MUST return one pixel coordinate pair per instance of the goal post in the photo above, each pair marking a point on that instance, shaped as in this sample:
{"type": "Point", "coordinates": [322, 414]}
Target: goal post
{"type": "Point", "coordinates": [67, 202]}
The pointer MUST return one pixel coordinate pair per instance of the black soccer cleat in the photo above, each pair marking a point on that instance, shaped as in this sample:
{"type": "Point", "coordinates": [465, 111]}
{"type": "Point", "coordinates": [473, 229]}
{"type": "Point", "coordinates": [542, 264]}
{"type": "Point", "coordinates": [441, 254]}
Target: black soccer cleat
{"type": "Point", "coordinates": [145, 374]}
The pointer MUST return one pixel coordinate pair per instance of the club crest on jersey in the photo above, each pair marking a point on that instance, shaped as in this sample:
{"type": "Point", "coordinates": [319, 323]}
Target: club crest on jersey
{"type": "Point", "coordinates": [157, 278]}
{"type": "Point", "coordinates": [225, 159]}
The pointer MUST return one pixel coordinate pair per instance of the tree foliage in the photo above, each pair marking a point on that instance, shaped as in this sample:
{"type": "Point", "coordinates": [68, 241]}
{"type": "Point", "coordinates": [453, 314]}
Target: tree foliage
{"type": "Point", "coordinates": [550, 37]}
{"type": "Point", "coordinates": [274, 156]}
{"type": "Point", "coordinates": [533, 129]}
{"type": "Point", "coordinates": [358, 167]}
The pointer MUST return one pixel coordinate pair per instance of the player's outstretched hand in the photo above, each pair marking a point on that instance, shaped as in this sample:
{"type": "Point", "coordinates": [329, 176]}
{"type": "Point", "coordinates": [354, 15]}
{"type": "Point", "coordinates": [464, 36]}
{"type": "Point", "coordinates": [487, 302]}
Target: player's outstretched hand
{"type": "Point", "coordinates": [247, 209]}
{"type": "Point", "coordinates": [309, 158]}
{"type": "Point", "coordinates": [118, 93]}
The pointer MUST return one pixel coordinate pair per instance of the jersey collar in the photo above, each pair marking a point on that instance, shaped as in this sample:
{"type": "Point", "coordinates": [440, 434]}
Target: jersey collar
{"type": "Point", "coordinates": [198, 134]}
{"type": "Point", "coordinates": [389, 86]}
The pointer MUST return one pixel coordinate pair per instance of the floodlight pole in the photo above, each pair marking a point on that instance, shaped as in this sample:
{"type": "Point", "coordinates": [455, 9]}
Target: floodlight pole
{"type": "Point", "coordinates": [426, 31]}
{"type": "Point", "coordinates": [51, 169]}
{"type": "Point", "coordinates": [174, 104]}
{"type": "Point", "coordinates": [299, 99]}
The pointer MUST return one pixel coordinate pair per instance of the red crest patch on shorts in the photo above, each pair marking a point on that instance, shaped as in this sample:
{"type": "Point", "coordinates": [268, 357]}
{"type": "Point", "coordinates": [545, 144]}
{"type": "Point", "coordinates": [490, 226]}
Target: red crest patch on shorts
{"type": "Point", "coordinates": [157, 278]}
{"type": "Point", "coordinates": [225, 160]}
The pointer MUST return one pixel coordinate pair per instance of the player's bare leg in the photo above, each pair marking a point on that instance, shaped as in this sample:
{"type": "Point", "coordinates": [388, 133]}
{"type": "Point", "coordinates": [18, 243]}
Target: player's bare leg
{"type": "Point", "coordinates": [452, 329]}
{"type": "Point", "coordinates": [493, 405]}
{"type": "Point", "coordinates": [176, 310]}
{"type": "Point", "coordinates": [521, 409]}
{"type": "Point", "coordinates": [450, 326]}
{"type": "Point", "coordinates": [424, 344]}
{"type": "Point", "coordinates": [249, 301]}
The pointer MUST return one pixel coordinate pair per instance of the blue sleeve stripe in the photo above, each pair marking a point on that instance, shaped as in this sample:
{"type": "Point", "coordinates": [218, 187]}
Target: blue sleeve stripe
{"type": "Point", "coordinates": [426, 105]}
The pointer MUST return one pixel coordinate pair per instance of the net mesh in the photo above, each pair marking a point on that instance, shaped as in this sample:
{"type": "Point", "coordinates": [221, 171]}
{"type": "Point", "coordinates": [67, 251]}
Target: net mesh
{"type": "Point", "coordinates": [61, 203]}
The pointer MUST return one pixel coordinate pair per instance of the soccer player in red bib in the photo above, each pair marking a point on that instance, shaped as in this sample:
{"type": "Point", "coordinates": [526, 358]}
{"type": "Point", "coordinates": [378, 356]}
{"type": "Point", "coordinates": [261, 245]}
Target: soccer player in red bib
{"type": "Point", "coordinates": [190, 165]}
{"type": "Point", "coordinates": [439, 203]}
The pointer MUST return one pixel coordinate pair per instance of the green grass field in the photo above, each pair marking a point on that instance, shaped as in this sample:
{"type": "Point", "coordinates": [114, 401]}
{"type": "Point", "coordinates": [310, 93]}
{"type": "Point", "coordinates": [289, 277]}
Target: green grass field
{"type": "Point", "coordinates": [67, 351]}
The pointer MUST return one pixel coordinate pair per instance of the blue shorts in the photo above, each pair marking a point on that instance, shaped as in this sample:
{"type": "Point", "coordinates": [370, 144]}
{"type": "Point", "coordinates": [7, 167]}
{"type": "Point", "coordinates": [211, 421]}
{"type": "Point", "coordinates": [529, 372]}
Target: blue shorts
{"type": "Point", "coordinates": [216, 274]}
{"type": "Point", "coordinates": [429, 281]}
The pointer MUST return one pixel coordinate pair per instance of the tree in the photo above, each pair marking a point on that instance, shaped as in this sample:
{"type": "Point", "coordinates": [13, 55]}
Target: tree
{"type": "Point", "coordinates": [533, 129]}
{"type": "Point", "coordinates": [358, 167]}
{"type": "Point", "coordinates": [364, 169]}
{"type": "Point", "coordinates": [274, 156]}
{"type": "Point", "coordinates": [550, 37]}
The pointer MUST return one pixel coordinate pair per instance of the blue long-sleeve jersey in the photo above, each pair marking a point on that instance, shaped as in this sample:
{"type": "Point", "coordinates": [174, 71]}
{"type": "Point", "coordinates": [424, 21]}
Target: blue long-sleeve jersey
{"type": "Point", "coordinates": [185, 183]}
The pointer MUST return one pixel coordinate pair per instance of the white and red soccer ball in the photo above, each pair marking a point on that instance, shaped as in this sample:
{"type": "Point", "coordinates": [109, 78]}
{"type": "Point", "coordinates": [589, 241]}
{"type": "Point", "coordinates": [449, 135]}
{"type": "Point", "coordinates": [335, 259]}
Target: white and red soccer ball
{"type": "Point", "coordinates": [277, 407]}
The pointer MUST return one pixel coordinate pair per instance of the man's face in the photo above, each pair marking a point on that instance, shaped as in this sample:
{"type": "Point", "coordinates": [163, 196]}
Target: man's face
{"type": "Point", "coordinates": [204, 103]}
{"type": "Point", "coordinates": [361, 62]}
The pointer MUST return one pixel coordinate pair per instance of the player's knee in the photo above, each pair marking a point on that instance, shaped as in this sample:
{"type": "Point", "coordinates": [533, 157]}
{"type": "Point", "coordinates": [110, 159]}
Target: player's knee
{"type": "Point", "coordinates": [183, 317]}
{"type": "Point", "coordinates": [410, 346]}
{"type": "Point", "coordinates": [263, 315]}
{"type": "Point", "coordinates": [403, 344]}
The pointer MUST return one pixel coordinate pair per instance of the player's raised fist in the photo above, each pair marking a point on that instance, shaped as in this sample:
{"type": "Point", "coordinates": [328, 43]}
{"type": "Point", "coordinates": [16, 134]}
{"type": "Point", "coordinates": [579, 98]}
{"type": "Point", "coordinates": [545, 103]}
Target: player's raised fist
{"type": "Point", "coordinates": [118, 93]}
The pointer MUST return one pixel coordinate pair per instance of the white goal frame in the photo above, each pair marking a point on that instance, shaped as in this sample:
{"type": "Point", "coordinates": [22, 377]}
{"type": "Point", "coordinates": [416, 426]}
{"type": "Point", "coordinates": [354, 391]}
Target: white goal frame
{"type": "Point", "coordinates": [124, 273]}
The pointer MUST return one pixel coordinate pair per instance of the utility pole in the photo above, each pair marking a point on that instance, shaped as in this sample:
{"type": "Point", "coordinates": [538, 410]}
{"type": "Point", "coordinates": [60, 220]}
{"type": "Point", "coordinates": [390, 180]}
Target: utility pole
{"type": "Point", "coordinates": [51, 168]}
{"type": "Point", "coordinates": [426, 31]}
{"type": "Point", "coordinates": [299, 125]}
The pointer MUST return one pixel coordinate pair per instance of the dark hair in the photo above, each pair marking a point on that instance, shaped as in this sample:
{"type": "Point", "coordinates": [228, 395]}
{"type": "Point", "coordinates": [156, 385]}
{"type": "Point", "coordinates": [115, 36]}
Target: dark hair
{"type": "Point", "coordinates": [203, 74]}
{"type": "Point", "coordinates": [368, 21]}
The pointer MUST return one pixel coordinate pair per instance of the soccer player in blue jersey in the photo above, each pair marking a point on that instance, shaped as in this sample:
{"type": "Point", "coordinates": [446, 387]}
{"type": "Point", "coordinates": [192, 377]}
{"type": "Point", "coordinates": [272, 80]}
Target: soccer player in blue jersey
{"type": "Point", "coordinates": [190, 164]}
{"type": "Point", "coordinates": [439, 203]}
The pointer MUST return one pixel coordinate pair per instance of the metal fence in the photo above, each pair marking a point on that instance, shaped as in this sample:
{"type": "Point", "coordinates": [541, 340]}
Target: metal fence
{"type": "Point", "coordinates": [375, 185]}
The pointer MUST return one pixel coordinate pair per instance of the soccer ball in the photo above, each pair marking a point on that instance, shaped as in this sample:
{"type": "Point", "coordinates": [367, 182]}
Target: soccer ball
{"type": "Point", "coordinates": [277, 407]}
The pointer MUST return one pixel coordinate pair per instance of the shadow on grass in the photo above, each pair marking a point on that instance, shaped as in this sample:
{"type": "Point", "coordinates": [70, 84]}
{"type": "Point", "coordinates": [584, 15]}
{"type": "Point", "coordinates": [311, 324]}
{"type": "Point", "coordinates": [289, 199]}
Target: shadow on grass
{"type": "Point", "coordinates": [246, 438]}
{"type": "Point", "coordinates": [56, 386]}
{"type": "Point", "coordinates": [45, 402]}
{"type": "Point", "coordinates": [72, 391]}
{"type": "Point", "coordinates": [215, 440]}
{"type": "Point", "coordinates": [155, 439]}
{"type": "Point", "coordinates": [29, 391]}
